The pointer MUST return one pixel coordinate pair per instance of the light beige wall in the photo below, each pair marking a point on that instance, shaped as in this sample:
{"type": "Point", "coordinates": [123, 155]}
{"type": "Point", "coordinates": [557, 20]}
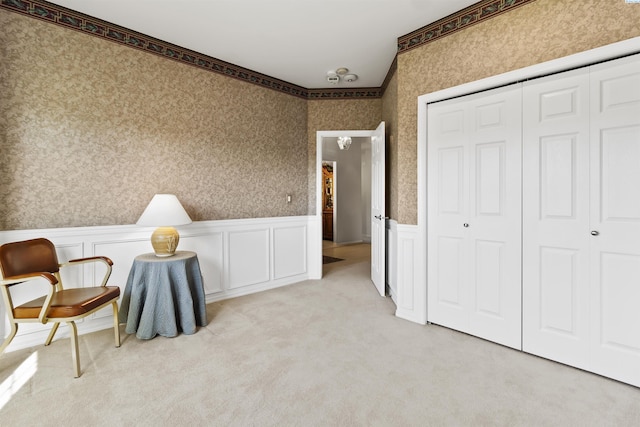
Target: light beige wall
{"type": "Point", "coordinates": [90, 130]}
{"type": "Point", "coordinates": [540, 31]}
{"type": "Point", "coordinates": [344, 114]}
{"type": "Point", "coordinates": [390, 117]}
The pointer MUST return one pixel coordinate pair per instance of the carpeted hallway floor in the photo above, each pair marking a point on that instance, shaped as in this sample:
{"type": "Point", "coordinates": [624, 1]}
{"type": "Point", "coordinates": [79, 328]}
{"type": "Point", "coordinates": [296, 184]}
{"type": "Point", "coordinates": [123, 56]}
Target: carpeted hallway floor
{"type": "Point", "coordinates": [319, 353]}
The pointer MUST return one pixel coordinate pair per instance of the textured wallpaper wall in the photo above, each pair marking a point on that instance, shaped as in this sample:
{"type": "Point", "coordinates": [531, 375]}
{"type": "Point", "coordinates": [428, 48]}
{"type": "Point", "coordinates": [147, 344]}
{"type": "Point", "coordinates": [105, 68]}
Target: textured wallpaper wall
{"type": "Point", "coordinates": [362, 114]}
{"type": "Point", "coordinates": [90, 130]}
{"type": "Point", "coordinates": [540, 31]}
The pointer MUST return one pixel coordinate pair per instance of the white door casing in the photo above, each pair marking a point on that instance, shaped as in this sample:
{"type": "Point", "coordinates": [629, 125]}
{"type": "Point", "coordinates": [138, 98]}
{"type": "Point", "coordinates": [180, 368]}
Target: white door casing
{"type": "Point", "coordinates": [378, 219]}
{"type": "Point", "coordinates": [474, 214]}
{"type": "Point", "coordinates": [378, 241]}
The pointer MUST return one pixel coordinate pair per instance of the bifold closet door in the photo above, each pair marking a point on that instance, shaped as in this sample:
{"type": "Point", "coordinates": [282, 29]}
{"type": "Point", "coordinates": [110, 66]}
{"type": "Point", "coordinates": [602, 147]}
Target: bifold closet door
{"type": "Point", "coordinates": [581, 218]}
{"type": "Point", "coordinates": [615, 219]}
{"type": "Point", "coordinates": [556, 217]}
{"type": "Point", "coordinates": [474, 214]}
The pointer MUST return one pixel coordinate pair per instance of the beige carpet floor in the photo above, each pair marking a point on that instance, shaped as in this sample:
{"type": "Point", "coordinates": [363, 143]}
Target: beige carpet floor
{"type": "Point", "coordinates": [318, 353]}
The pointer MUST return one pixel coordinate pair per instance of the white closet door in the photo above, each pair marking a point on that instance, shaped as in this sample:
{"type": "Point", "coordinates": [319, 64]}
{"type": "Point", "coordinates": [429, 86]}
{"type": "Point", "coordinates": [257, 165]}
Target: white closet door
{"type": "Point", "coordinates": [556, 217]}
{"type": "Point", "coordinates": [474, 214]}
{"type": "Point", "coordinates": [615, 217]}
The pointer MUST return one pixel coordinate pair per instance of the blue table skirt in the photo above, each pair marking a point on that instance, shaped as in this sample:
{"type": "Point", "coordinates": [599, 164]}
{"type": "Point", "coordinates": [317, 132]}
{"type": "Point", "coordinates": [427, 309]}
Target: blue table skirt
{"type": "Point", "coordinates": [164, 296]}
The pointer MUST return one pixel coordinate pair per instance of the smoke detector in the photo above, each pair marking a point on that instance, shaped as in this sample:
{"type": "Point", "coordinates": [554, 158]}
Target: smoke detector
{"type": "Point", "coordinates": [341, 73]}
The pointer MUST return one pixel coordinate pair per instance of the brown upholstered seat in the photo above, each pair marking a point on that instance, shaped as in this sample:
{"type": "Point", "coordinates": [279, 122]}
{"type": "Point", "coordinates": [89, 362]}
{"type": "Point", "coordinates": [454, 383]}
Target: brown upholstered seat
{"type": "Point", "coordinates": [69, 302]}
{"type": "Point", "coordinates": [36, 259]}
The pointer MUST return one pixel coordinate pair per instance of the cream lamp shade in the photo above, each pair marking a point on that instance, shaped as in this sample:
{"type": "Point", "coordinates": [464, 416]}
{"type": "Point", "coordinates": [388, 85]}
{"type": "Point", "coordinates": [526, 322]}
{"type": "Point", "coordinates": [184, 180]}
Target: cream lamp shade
{"type": "Point", "coordinates": [164, 211]}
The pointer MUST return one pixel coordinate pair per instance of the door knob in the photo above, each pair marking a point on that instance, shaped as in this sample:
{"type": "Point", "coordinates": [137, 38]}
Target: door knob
{"type": "Point", "coordinates": [465, 225]}
{"type": "Point", "coordinates": [594, 232]}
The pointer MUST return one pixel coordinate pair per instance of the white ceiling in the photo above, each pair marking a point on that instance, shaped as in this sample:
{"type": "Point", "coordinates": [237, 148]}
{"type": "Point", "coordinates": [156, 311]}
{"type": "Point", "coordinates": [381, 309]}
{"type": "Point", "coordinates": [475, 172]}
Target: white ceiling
{"type": "Point", "coordinates": [297, 41]}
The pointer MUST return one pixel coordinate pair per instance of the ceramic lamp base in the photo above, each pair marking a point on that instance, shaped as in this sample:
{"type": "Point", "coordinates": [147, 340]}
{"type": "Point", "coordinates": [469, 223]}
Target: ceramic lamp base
{"type": "Point", "coordinates": [165, 241]}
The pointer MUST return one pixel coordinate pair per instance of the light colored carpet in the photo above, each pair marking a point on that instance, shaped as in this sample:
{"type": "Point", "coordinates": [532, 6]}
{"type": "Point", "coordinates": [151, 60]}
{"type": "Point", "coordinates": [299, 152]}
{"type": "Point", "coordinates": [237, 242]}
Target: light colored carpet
{"type": "Point", "coordinates": [318, 353]}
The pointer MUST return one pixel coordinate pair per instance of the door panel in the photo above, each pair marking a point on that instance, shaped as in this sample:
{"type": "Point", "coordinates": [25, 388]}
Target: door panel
{"type": "Point", "coordinates": [556, 217]}
{"type": "Point", "coordinates": [558, 292]}
{"type": "Point", "coordinates": [558, 176]}
{"type": "Point", "coordinates": [450, 182]}
{"type": "Point", "coordinates": [488, 280]}
{"type": "Point", "coordinates": [495, 216]}
{"type": "Point", "coordinates": [449, 268]}
{"type": "Point", "coordinates": [474, 186]}
{"type": "Point", "coordinates": [378, 221]}
{"type": "Point", "coordinates": [489, 178]}
{"type": "Point", "coordinates": [618, 302]}
{"type": "Point", "coordinates": [615, 216]}
{"type": "Point", "coordinates": [620, 151]}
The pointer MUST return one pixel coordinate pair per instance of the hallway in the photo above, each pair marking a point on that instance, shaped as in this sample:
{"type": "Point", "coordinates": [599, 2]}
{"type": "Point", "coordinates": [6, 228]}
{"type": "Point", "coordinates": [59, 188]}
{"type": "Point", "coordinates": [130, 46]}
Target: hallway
{"type": "Point", "coordinates": [349, 254]}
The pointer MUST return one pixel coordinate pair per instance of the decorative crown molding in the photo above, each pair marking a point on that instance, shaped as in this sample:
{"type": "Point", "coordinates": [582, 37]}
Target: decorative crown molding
{"type": "Point", "coordinates": [98, 28]}
{"type": "Point", "coordinates": [86, 24]}
{"type": "Point", "coordinates": [460, 20]}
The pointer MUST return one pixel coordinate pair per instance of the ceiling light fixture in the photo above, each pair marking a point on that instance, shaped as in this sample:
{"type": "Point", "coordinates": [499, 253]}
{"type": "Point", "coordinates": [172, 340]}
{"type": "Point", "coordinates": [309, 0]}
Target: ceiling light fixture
{"type": "Point", "coordinates": [350, 77]}
{"type": "Point", "coordinates": [342, 71]}
{"type": "Point", "coordinates": [344, 142]}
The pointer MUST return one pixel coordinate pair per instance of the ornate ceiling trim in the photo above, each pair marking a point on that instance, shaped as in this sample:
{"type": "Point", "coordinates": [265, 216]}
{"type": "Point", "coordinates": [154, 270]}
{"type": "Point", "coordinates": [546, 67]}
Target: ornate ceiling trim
{"type": "Point", "coordinates": [86, 24]}
{"type": "Point", "coordinates": [98, 28]}
{"type": "Point", "coordinates": [460, 20]}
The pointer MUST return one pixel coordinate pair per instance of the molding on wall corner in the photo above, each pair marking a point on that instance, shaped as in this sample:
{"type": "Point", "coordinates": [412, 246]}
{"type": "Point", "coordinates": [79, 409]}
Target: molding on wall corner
{"type": "Point", "coordinates": [479, 12]}
{"type": "Point", "coordinates": [59, 15]}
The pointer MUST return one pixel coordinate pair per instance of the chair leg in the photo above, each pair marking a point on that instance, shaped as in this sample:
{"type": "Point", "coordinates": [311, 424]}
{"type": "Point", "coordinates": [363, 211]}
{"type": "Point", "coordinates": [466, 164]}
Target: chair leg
{"type": "Point", "coordinates": [75, 354]}
{"type": "Point", "coordinates": [5, 343]}
{"type": "Point", "coordinates": [116, 323]}
{"type": "Point", "coordinates": [52, 333]}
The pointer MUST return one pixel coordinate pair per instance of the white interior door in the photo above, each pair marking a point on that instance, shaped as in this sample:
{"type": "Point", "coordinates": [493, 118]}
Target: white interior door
{"type": "Point", "coordinates": [615, 219]}
{"type": "Point", "coordinates": [474, 214]}
{"type": "Point", "coordinates": [581, 246]}
{"type": "Point", "coordinates": [556, 217]}
{"type": "Point", "coordinates": [378, 219]}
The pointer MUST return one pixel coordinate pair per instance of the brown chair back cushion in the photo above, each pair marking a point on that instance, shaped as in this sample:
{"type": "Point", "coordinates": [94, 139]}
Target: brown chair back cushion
{"type": "Point", "coordinates": [28, 256]}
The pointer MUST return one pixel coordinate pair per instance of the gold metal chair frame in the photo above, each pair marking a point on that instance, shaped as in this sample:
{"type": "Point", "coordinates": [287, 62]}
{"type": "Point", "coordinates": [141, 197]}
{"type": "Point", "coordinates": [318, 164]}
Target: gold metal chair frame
{"type": "Point", "coordinates": [55, 281]}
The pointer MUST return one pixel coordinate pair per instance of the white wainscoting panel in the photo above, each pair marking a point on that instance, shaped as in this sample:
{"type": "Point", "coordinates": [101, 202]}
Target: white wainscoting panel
{"type": "Point", "coordinates": [237, 257]}
{"type": "Point", "coordinates": [248, 257]}
{"type": "Point", "coordinates": [288, 259]}
{"type": "Point", "coordinates": [210, 249]}
{"type": "Point", "coordinates": [411, 303]}
{"type": "Point", "coordinates": [392, 259]}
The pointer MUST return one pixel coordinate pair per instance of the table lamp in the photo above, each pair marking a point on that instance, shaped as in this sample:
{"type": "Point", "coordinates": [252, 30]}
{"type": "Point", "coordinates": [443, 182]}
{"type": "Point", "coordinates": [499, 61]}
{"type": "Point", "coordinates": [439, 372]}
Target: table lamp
{"type": "Point", "coordinates": [164, 211]}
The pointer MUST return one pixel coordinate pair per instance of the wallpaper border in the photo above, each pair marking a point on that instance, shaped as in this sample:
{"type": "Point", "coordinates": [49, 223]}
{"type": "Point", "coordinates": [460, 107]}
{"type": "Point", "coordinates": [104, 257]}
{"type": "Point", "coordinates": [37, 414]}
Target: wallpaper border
{"type": "Point", "coordinates": [68, 18]}
{"type": "Point", "coordinates": [86, 24]}
{"type": "Point", "coordinates": [460, 20]}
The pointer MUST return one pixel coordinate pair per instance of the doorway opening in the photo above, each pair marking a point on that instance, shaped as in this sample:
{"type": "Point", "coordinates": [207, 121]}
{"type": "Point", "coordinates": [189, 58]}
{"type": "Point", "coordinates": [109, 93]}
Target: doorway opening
{"type": "Point", "coordinates": [346, 201]}
{"type": "Point", "coordinates": [357, 219]}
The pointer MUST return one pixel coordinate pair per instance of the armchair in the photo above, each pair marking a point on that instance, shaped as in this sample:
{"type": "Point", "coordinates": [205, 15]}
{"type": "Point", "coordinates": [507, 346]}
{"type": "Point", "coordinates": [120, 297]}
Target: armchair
{"type": "Point", "coordinates": [30, 260]}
